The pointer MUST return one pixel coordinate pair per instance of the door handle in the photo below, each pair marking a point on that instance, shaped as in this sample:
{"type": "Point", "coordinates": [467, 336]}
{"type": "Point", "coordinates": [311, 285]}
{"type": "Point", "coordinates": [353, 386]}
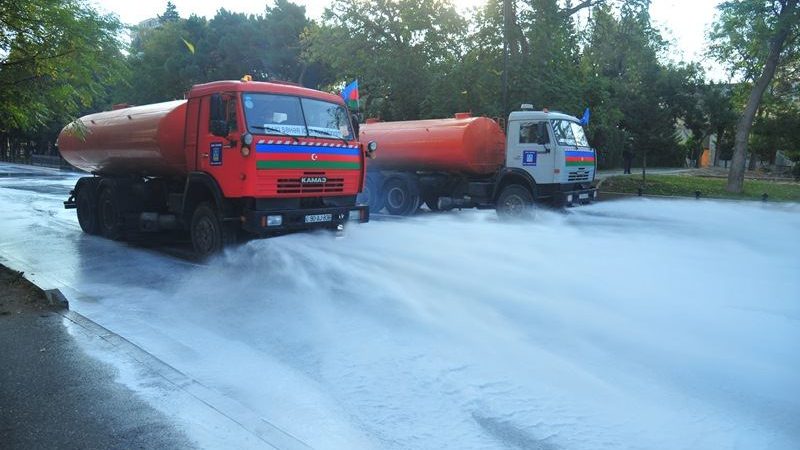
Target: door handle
{"type": "Point", "coordinates": [204, 155]}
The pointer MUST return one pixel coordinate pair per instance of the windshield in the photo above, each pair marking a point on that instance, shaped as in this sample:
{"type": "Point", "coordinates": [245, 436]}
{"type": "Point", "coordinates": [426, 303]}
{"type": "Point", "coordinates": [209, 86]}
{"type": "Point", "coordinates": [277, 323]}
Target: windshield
{"type": "Point", "coordinates": [568, 132]}
{"type": "Point", "coordinates": [295, 116]}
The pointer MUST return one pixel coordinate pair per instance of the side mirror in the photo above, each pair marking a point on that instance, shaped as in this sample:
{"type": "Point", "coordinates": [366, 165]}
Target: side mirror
{"type": "Point", "coordinates": [371, 148]}
{"type": "Point", "coordinates": [218, 124]}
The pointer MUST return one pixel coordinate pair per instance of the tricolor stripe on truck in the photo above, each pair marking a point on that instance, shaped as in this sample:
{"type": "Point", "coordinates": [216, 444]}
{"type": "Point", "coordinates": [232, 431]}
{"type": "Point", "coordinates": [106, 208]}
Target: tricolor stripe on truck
{"type": "Point", "coordinates": [305, 155]}
{"type": "Point", "coordinates": [579, 157]}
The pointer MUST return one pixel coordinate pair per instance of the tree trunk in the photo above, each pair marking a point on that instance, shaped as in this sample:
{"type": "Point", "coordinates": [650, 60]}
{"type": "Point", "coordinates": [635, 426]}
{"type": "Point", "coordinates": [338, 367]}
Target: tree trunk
{"type": "Point", "coordinates": [736, 174]}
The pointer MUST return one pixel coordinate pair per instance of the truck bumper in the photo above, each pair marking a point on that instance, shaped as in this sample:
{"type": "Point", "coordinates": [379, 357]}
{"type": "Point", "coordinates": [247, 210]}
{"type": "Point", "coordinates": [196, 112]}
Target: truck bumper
{"type": "Point", "coordinates": [276, 221]}
{"type": "Point", "coordinates": [578, 196]}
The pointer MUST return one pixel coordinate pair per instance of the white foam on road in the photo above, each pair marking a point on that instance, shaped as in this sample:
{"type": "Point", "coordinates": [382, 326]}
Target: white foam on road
{"type": "Point", "coordinates": [633, 324]}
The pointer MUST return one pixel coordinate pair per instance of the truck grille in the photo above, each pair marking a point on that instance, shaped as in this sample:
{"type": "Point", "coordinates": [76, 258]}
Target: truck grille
{"type": "Point", "coordinates": [296, 186]}
{"type": "Point", "coordinates": [578, 175]}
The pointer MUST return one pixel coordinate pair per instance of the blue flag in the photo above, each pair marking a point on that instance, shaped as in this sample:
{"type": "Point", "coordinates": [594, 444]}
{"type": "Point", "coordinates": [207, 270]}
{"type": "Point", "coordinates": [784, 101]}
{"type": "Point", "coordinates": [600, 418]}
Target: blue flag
{"type": "Point", "coordinates": [350, 95]}
{"type": "Point", "coordinates": [585, 118]}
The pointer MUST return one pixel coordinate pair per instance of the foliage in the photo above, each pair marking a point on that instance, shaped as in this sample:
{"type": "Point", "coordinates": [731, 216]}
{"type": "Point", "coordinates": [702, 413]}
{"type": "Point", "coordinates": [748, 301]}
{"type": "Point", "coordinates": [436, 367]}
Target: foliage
{"type": "Point", "coordinates": [170, 14]}
{"type": "Point", "coordinates": [227, 46]}
{"type": "Point", "coordinates": [757, 39]}
{"type": "Point", "coordinates": [401, 51]}
{"type": "Point", "coordinates": [415, 59]}
{"type": "Point", "coordinates": [57, 58]}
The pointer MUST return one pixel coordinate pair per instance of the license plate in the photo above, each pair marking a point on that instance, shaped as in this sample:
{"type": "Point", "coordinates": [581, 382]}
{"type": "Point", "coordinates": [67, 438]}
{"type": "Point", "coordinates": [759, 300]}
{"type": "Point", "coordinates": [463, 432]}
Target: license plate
{"type": "Point", "coordinates": [583, 196]}
{"type": "Point", "coordinates": [316, 218]}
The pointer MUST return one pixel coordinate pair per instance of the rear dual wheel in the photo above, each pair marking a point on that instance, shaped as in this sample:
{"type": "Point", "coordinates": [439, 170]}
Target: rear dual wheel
{"type": "Point", "coordinates": [400, 196]}
{"type": "Point", "coordinates": [109, 214]}
{"type": "Point", "coordinates": [86, 204]}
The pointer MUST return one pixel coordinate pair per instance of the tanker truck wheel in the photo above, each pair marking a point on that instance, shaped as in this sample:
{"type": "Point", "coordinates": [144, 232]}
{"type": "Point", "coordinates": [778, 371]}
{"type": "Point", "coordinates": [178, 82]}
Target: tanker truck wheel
{"type": "Point", "coordinates": [208, 233]}
{"type": "Point", "coordinates": [514, 202]}
{"type": "Point", "coordinates": [372, 194]}
{"type": "Point", "coordinates": [400, 197]}
{"type": "Point", "coordinates": [87, 210]}
{"type": "Point", "coordinates": [110, 220]}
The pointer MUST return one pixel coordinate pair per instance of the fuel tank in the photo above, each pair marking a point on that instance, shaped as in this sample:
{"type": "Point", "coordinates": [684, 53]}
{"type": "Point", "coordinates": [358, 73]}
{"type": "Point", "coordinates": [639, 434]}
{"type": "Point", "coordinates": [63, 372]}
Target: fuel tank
{"type": "Point", "coordinates": [142, 140]}
{"type": "Point", "coordinates": [470, 145]}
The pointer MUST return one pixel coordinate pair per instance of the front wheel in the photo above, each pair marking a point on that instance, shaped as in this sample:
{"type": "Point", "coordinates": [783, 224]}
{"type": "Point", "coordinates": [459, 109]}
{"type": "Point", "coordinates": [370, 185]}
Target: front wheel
{"type": "Point", "coordinates": [372, 194]}
{"type": "Point", "coordinates": [514, 202]}
{"type": "Point", "coordinates": [208, 233]}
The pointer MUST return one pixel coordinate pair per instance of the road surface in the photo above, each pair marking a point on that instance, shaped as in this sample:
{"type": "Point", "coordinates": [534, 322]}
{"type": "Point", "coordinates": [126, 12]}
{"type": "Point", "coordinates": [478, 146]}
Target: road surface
{"type": "Point", "coordinates": [632, 324]}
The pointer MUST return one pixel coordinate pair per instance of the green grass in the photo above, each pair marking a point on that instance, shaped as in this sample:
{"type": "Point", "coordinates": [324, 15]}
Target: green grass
{"type": "Point", "coordinates": [686, 185]}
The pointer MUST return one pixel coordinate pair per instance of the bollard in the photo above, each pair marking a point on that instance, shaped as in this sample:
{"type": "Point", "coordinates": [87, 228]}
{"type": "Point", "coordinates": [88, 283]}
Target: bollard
{"type": "Point", "coordinates": [639, 191]}
{"type": "Point", "coordinates": [764, 197]}
{"type": "Point", "coordinates": [697, 195]}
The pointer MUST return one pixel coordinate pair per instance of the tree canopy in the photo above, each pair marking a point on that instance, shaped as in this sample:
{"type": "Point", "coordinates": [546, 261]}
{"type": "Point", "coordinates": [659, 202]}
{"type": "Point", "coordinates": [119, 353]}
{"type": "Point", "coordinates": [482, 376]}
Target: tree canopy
{"type": "Point", "coordinates": [756, 39]}
{"type": "Point", "coordinates": [416, 59]}
{"type": "Point", "coordinates": [57, 58]}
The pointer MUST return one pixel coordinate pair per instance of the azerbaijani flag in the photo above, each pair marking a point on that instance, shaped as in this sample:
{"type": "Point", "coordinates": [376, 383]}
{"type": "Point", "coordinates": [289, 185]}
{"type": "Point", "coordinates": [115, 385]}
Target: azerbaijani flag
{"type": "Point", "coordinates": [350, 95]}
{"type": "Point", "coordinates": [579, 157]}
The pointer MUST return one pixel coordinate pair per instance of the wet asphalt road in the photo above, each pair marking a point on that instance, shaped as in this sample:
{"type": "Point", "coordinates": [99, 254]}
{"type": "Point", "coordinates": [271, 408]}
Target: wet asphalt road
{"type": "Point", "coordinates": [53, 395]}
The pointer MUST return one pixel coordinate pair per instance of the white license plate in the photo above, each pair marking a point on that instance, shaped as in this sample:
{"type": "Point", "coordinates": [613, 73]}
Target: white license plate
{"type": "Point", "coordinates": [583, 196]}
{"type": "Point", "coordinates": [315, 218]}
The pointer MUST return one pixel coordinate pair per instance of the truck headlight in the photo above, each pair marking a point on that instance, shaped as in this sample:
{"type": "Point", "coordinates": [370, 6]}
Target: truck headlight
{"type": "Point", "coordinates": [372, 146]}
{"type": "Point", "coordinates": [274, 221]}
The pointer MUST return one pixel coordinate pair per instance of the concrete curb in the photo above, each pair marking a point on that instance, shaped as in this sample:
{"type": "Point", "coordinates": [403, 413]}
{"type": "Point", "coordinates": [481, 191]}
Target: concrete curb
{"type": "Point", "coordinates": [55, 298]}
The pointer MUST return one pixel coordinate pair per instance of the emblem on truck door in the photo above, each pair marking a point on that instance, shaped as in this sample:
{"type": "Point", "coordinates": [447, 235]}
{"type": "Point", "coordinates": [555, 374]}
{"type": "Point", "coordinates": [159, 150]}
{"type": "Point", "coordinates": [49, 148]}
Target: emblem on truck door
{"type": "Point", "coordinates": [529, 158]}
{"type": "Point", "coordinates": [216, 154]}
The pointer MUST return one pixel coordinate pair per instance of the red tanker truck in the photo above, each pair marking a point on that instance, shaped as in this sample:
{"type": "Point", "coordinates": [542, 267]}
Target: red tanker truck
{"type": "Point", "coordinates": [471, 162]}
{"type": "Point", "coordinates": [235, 156]}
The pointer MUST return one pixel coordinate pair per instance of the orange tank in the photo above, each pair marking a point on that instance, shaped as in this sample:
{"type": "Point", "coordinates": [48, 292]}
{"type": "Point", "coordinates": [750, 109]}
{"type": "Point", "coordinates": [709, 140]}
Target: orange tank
{"type": "Point", "coordinates": [470, 145]}
{"type": "Point", "coordinates": [143, 140]}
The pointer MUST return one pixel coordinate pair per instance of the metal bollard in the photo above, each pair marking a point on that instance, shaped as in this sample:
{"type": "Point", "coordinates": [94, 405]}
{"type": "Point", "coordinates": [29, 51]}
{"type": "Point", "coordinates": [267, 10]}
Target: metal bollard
{"type": "Point", "coordinates": [697, 195]}
{"type": "Point", "coordinates": [640, 191]}
{"type": "Point", "coordinates": [764, 197]}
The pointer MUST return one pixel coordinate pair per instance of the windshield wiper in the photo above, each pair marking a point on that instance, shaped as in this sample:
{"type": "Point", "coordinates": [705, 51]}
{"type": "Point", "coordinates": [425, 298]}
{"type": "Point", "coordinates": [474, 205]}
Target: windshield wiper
{"type": "Point", "coordinates": [278, 130]}
{"type": "Point", "coordinates": [325, 133]}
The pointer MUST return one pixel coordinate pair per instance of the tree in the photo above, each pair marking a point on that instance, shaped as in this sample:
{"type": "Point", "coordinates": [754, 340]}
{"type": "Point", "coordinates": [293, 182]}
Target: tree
{"type": "Point", "coordinates": [398, 50]}
{"type": "Point", "coordinates": [57, 58]}
{"type": "Point", "coordinates": [170, 14]}
{"type": "Point", "coordinates": [754, 38]}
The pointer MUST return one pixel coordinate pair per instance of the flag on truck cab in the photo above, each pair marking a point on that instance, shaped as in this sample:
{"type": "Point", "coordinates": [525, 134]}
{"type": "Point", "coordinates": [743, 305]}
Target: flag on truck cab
{"type": "Point", "coordinates": [585, 118]}
{"type": "Point", "coordinates": [350, 95]}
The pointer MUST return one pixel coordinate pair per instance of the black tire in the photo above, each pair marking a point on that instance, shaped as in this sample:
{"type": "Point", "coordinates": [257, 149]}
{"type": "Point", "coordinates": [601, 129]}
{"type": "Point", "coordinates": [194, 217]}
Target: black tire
{"type": "Point", "coordinates": [400, 197]}
{"type": "Point", "coordinates": [372, 195]}
{"type": "Point", "coordinates": [86, 204]}
{"type": "Point", "coordinates": [515, 202]}
{"type": "Point", "coordinates": [108, 214]}
{"type": "Point", "coordinates": [208, 233]}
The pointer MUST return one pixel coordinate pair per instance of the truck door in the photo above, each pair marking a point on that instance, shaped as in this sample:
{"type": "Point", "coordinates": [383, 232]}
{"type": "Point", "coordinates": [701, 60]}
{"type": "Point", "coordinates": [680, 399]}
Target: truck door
{"type": "Point", "coordinates": [221, 156]}
{"type": "Point", "coordinates": [530, 149]}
